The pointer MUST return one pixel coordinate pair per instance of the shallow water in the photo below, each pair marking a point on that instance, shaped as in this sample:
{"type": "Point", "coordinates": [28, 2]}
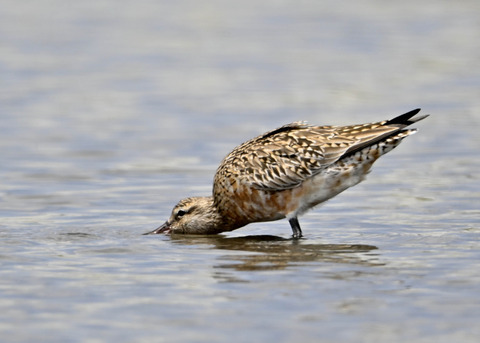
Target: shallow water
{"type": "Point", "coordinates": [111, 112]}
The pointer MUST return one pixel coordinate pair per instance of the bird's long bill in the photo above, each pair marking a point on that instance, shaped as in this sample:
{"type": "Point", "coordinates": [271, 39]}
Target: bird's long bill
{"type": "Point", "coordinates": [165, 227]}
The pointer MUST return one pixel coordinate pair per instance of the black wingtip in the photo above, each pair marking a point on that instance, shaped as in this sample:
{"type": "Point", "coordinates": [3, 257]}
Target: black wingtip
{"type": "Point", "coordinates": [406, 118]}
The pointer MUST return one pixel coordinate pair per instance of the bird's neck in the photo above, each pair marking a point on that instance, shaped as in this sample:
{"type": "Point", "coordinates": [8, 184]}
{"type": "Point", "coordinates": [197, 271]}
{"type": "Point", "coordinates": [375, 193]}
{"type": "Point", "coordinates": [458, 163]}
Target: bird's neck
{"type": "Point", "coordinates": [221, 221]}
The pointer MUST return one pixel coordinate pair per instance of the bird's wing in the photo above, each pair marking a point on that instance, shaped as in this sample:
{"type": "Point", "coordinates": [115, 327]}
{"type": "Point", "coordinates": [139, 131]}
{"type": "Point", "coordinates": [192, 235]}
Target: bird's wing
{"type": "Point", "coordinates": [285, 157]}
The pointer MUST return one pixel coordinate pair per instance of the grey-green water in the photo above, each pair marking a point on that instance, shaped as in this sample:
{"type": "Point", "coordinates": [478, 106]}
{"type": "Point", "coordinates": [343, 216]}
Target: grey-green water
{"type": "Point", "coordinates": [111, 111]}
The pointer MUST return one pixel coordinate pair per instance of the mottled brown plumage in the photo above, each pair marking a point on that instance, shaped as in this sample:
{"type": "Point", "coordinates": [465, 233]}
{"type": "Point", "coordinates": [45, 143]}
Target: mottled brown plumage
{"type": "Point", "coordinates": [285, 172]}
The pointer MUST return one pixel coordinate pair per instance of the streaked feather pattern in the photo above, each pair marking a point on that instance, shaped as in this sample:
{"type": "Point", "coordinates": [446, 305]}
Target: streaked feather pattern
{"type": "Point", "coordinates": [283, 158]}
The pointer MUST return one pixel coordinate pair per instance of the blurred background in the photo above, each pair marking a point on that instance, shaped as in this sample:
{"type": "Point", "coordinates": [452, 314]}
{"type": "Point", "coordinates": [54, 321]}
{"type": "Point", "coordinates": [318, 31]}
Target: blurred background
{"type": "Point", "coordinates": [111, 111]}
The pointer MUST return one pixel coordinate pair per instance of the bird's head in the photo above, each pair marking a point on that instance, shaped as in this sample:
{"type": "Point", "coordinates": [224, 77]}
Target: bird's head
{"type": "Point", "coordinates": [195, 215]}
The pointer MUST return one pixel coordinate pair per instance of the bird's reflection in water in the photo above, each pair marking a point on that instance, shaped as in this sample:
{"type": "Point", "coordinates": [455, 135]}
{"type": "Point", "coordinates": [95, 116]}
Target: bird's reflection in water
{"type": "Point", "coordinates": [266, 252]}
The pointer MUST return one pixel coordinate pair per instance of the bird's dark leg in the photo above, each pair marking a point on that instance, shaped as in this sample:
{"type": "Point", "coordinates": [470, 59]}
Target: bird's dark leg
{"type": "Point", "coordinates": [297, 231]}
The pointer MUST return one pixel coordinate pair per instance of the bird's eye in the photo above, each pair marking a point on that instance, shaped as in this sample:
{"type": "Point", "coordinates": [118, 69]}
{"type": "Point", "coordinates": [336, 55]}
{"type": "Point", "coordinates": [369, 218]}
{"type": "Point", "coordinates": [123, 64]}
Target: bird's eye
{"type": "Point", "coordinates": [181, 213]}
